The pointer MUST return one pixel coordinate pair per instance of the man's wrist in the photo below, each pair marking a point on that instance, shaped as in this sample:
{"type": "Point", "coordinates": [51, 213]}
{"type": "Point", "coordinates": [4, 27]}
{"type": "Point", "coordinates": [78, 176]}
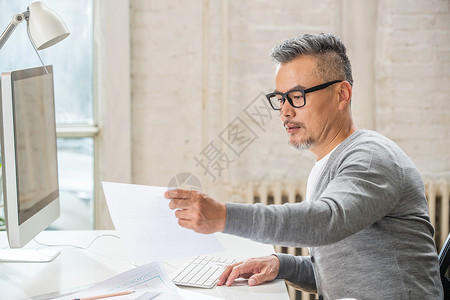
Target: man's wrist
{"type": "Point", "coordinates": [239, 219]}
{"type": "Point", "coordinates": [285, 260]}
{"type": "Point", "coordinates": [223, 217]}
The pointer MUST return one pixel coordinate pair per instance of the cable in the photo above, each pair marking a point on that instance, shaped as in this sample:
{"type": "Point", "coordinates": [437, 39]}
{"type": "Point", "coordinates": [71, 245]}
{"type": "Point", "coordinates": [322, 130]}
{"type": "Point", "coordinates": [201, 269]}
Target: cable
{"type": "Point", "coordinates": [74, 246]}
{"type": "Point", "coordinates": [34, 47]}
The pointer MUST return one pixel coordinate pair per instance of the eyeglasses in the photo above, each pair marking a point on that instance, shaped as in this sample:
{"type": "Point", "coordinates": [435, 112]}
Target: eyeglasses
{"type": "Point", "coordinates": [296, 98]}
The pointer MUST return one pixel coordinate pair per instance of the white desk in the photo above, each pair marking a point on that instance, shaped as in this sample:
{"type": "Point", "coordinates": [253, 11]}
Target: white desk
{"type": "Point", "coordinates": [76, 268]}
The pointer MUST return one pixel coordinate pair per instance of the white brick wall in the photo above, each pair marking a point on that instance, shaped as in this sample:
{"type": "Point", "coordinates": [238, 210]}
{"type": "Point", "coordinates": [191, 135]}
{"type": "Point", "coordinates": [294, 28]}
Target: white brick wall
{"type": "Point", "coordinates": [166, 64]}
{"type": "Point", "coordinates": [412, 87]}
{"type": "Point", "coordinates": [197, 64]}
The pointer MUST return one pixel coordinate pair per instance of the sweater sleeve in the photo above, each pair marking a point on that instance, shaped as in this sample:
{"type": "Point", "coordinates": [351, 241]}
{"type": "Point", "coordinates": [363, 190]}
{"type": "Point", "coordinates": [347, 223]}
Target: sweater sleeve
{"type": "Point", "coordinates": [359, 187]}
{"type": "Point", "coordinates": [298, 271]}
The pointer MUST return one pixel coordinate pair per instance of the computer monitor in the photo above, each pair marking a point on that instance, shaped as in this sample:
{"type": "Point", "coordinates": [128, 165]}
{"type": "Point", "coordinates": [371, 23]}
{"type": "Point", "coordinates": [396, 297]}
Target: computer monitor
{"type": "Point", "coordinates": [29, 156]}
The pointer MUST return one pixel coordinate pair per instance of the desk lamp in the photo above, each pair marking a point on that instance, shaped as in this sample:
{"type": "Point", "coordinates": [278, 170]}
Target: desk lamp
{"type": "Point", "coordinates": [45, 28]}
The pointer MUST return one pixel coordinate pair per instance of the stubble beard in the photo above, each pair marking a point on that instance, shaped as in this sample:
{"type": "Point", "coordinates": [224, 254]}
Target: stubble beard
{"type": "Point", "coordinates": [302, 145]}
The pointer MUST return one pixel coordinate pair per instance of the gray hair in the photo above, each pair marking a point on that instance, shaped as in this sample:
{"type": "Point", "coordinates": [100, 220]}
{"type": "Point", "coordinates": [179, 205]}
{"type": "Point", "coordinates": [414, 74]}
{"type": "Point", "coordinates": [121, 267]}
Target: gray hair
{"type": "Point", "coordinates": [327, 48]}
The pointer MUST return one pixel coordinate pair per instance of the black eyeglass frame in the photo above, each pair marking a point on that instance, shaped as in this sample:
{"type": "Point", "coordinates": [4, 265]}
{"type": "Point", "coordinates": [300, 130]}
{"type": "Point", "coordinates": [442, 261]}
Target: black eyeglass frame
{"type": "Point", "coordinates": [285, 95]}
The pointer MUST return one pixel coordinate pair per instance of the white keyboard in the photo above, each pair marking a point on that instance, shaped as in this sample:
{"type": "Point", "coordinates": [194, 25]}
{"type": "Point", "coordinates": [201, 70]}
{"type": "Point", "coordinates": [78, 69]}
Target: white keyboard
{"type": "Point", "coordinates": [201, 271]}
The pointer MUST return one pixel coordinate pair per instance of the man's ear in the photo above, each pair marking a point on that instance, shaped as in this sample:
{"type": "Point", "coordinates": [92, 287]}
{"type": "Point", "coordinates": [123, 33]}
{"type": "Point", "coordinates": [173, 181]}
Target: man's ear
{"type": "Point", "coordinates": [345, 94]}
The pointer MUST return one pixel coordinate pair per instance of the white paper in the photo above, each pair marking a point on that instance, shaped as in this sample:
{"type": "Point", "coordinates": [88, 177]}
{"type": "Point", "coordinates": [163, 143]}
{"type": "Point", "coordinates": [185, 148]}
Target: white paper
{"type": "Point", "coordinates": [149, 281]}
{"type": "Point", "coordinates": [149, 228]}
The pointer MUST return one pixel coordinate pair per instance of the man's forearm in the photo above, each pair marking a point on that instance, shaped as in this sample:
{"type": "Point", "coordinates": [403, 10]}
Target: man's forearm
{"type": "Point", "coordinates": [298, 271]}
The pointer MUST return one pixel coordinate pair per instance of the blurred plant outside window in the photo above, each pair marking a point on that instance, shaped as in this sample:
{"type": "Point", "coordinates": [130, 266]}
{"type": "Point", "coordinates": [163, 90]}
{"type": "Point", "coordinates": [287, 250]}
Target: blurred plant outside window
{"type": "Point", "coordinates": [72, 61]}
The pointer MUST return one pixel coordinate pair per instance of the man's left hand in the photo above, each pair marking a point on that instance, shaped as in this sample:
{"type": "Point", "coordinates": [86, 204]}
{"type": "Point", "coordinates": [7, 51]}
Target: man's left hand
{"type": "Point", "coordinates": [197, 211]}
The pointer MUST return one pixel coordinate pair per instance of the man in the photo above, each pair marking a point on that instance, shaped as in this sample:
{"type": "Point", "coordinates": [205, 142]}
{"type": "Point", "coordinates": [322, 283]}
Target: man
{"type": "Point", "coordinates": [365, 216]}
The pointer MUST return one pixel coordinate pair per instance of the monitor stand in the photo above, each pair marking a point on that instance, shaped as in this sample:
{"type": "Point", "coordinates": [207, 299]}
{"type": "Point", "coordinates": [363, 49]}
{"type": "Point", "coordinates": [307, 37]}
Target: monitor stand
{"type": "Point", "coordinates": [28, 255]}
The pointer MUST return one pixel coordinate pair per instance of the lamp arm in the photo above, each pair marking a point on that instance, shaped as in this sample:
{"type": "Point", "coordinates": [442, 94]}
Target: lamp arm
{"type": "Point", "coordinates": [17, 18]}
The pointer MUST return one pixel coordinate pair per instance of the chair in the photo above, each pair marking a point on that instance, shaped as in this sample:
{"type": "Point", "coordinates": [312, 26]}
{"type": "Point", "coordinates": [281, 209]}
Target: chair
{"type": "Point", "coordinates": [444, 262]}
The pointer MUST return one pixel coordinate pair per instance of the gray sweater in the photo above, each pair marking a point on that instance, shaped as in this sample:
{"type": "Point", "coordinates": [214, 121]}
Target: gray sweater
{"type": "Point", "coordinates": [366, 224]}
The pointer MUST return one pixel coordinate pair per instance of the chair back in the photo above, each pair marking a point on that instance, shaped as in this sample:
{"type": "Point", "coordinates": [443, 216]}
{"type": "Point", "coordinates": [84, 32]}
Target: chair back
{"type": "Point", "coordinates": [444, 262]}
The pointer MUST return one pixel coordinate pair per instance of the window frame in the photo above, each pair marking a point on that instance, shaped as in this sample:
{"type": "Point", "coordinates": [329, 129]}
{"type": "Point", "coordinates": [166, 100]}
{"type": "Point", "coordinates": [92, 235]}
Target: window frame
{"type": "Point", "coordinates": [112, 158]}
{"type": "Point", "coordinates": [111, 100]}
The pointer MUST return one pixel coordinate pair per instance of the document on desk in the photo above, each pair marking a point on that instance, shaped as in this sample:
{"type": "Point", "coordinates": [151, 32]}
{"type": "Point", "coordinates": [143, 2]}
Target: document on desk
{"type": "Point", "coordinates": [149, 228]}
{"type": "Point", "coordinates": [149, 281]}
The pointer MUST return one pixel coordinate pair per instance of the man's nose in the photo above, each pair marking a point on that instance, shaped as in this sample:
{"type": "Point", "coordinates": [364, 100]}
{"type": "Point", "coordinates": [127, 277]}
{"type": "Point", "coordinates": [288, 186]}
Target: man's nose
{"type": "Point", "coordinates": [287, 111]}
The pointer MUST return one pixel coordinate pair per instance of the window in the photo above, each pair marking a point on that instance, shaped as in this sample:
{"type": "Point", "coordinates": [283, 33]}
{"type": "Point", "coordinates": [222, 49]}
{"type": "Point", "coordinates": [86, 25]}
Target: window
{"type": "Point", "coordinates": [72, 61]}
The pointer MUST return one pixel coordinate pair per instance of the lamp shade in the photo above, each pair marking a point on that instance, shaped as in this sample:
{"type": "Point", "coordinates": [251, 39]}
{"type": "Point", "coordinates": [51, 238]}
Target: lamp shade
{"type": "Point", "coordinates": [46, 27]}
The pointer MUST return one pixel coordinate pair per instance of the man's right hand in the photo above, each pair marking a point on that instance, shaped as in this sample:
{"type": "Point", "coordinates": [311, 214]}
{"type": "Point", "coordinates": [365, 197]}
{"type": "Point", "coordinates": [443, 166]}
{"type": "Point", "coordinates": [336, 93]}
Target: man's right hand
{"type": "Point", "coordinates": [256, 270]}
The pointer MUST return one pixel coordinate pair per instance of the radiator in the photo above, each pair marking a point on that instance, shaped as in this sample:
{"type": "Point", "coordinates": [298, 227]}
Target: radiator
{"type": "Point", "coordinates": [437, 193]}
{"type": "Point", "coordinates": [439, 209]}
